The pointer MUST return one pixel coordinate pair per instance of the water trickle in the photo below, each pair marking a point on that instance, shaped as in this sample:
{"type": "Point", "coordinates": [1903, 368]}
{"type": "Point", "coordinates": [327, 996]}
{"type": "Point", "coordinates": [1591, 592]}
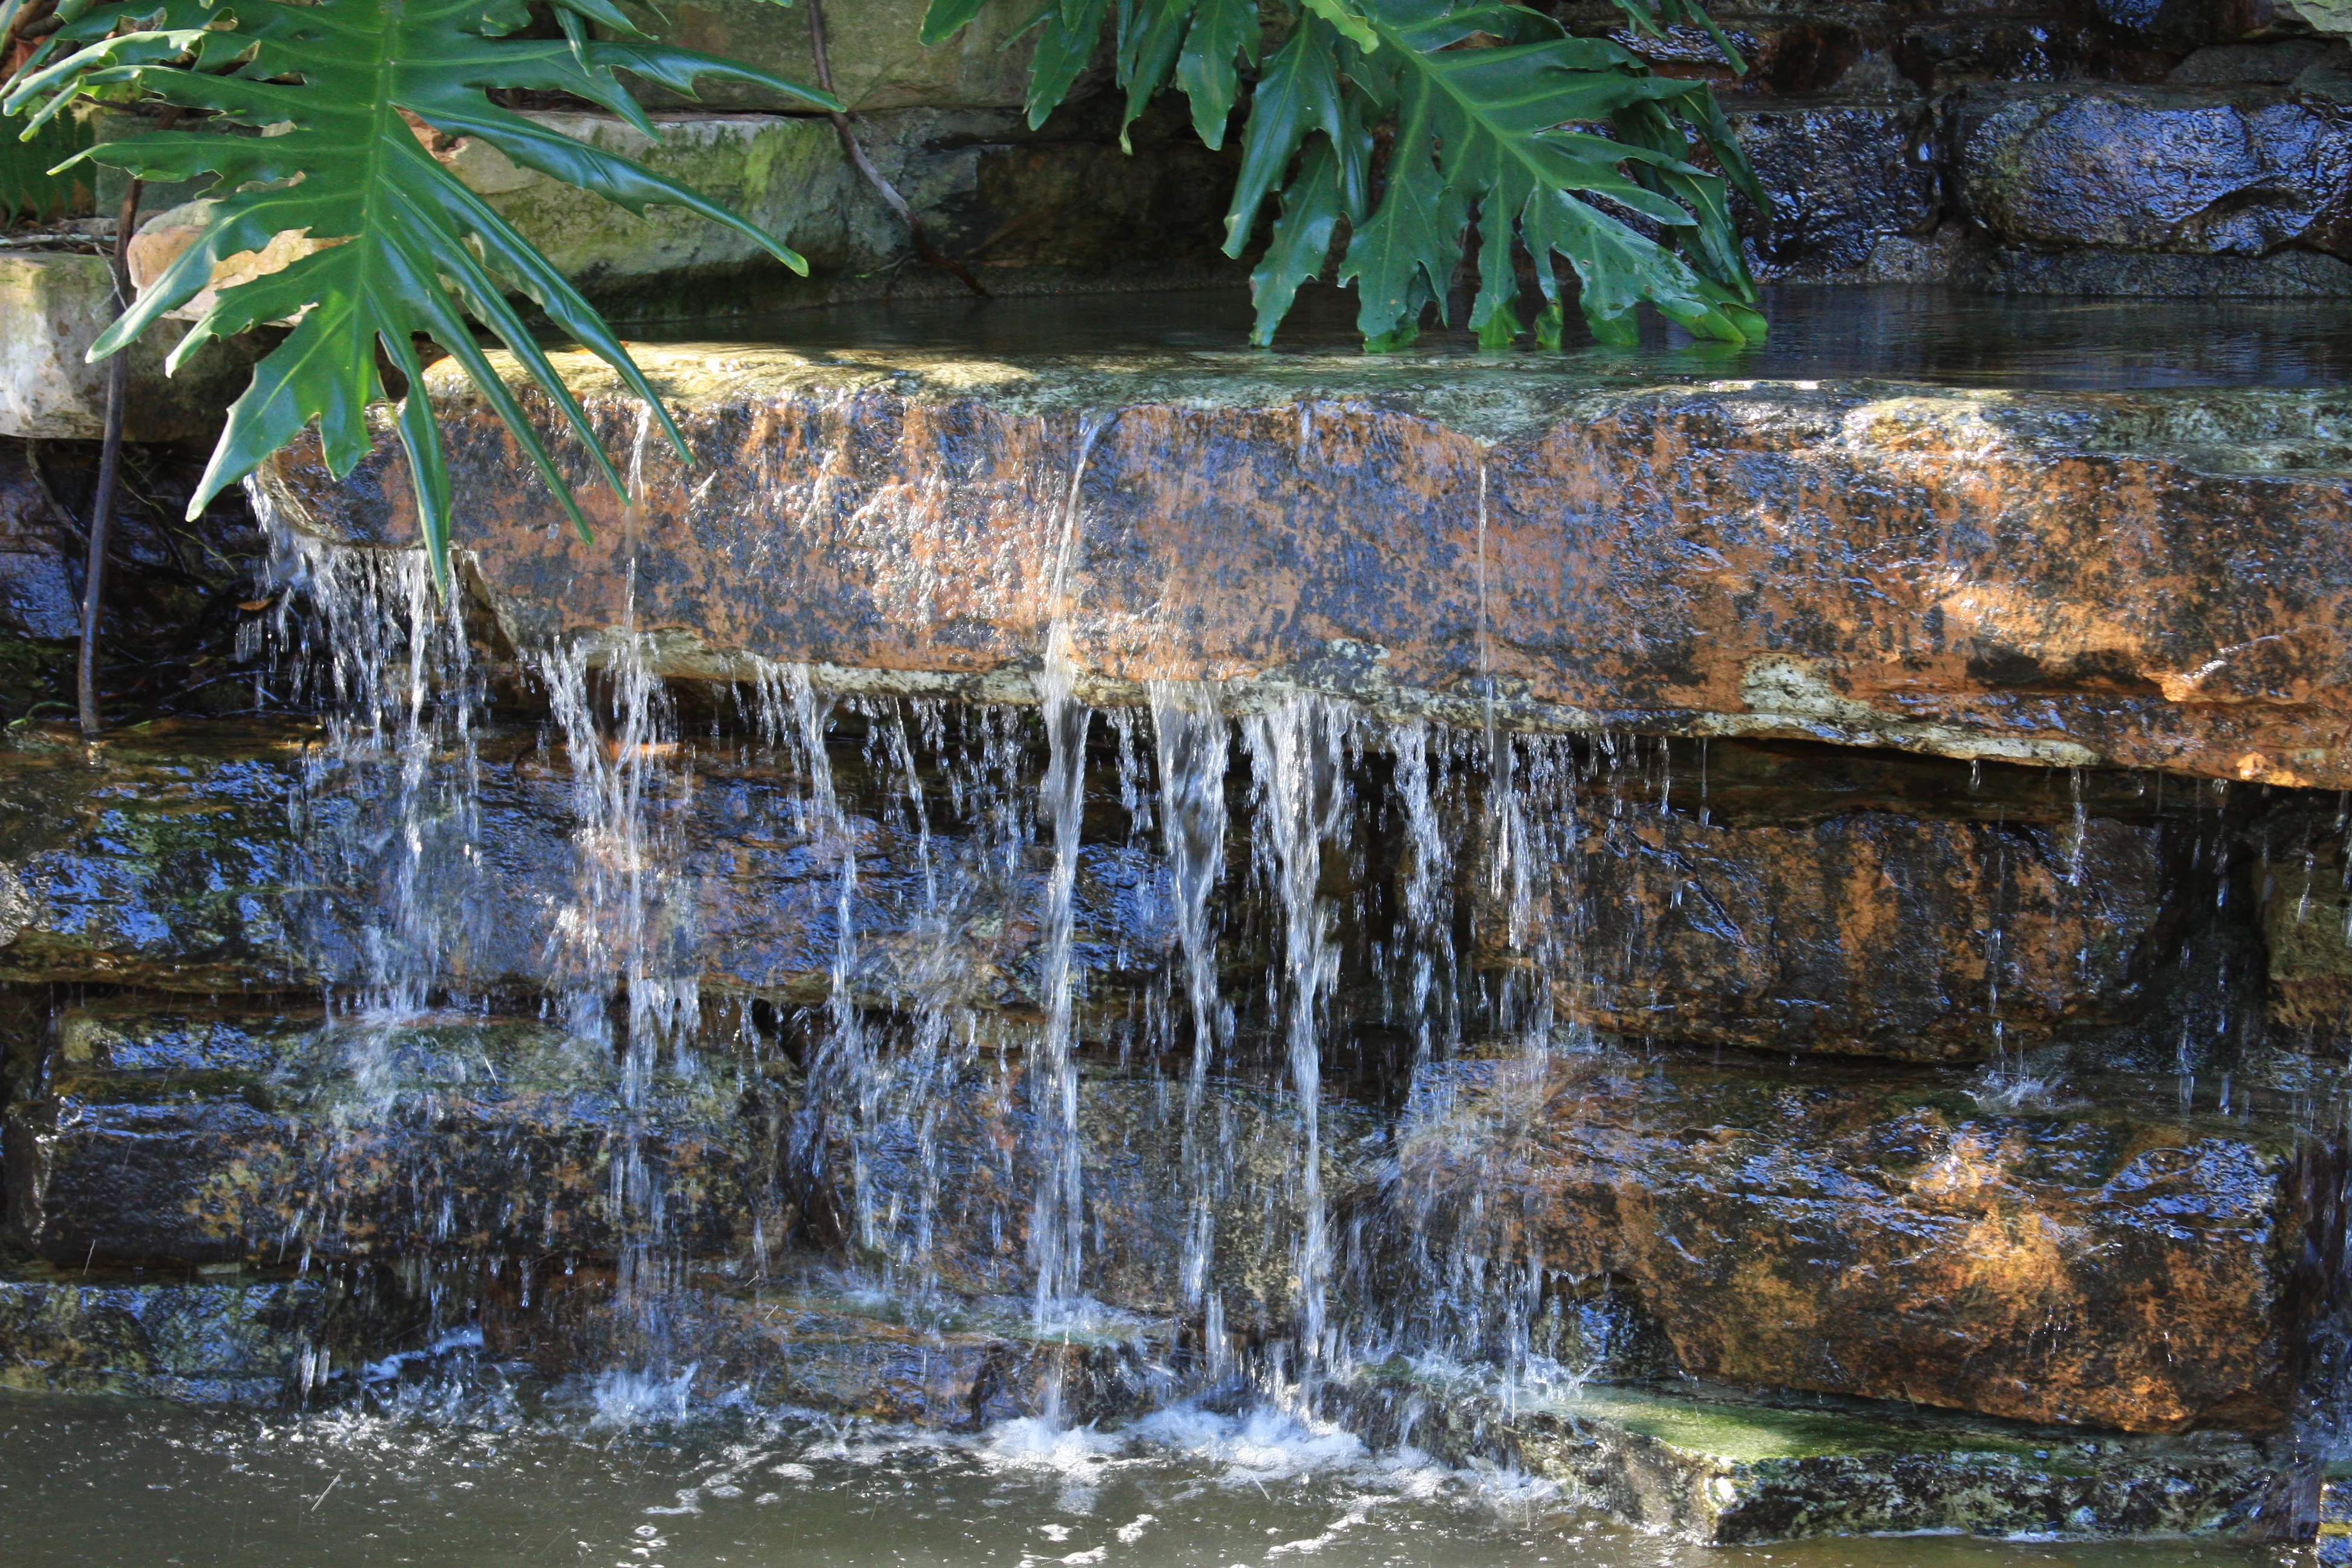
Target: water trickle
{"type": "Point", "coordinates": [1056, 1236]}
{"type": "Point", "coordinates": [389, 810]}
{"type": "Point", "coordinates": [1297, 769]}
{"type": "Point", "coordinates": [1192, 750]}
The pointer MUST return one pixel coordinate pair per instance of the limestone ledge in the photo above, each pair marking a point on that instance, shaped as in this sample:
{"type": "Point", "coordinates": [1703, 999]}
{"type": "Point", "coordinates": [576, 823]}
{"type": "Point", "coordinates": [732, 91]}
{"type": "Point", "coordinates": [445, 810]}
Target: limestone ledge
{"type": "Point", "coordinates": [2155, 579]}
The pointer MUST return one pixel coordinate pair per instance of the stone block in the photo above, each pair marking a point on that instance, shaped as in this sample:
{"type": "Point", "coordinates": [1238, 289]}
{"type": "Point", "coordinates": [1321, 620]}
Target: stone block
{"type": "Point", "coordinates": [2021, 574]}
{"type": "Point", "coordinates": [168, 867]}
{"type": "Point", "coordinates": [1009, 203]}
{"type": "Point", "coordinates": [800, 1344]}
{"type": "Point", "coordinates": [1843, 177]}
{"type": "Point", "coordinates": [2090, 1257]}
{"type": "Point", "coordinates": [974, 1205]}
{"type": "Point", "coordinates": [196, 1137]}
{"type": "Point", "coordinates": [2238, 172]}
{"type": "Point", "coordinates": [1773, 901]}
{"type": "Point", "coordinates": [53, 305]}
{"type": "Point", "coordinates": [1724, 1467]}
{"type": "Point", "coordinates": [226, 1342]}
{"type": "Point", "coordinates": [877, 58]}
{"type": "Point", "coordinates": [2306, 914]}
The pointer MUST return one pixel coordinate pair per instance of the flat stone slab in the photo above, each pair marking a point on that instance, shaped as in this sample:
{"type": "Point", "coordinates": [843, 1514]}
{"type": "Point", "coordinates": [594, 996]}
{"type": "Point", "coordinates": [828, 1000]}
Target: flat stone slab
{"type": "Point", "coordinates": [1722, 1466]}
{"type": "Point", "coordinates": [226, 1340]}
{"type": "Point", "coordinates": [2157, 578]}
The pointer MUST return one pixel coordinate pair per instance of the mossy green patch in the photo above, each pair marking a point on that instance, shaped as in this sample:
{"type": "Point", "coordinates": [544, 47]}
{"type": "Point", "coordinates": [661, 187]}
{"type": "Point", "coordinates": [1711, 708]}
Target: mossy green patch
{"type": "Point", "coordinates": [1754, 1432]}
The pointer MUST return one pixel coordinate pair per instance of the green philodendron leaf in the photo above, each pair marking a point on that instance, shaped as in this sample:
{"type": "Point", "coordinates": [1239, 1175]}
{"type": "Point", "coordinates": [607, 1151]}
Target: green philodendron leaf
{"type": "Point", "coordinates": [30, 183]}
{"type": "Point", "coordinates": [1220, 31]}
{"type": "Point", "coordinates": [410, 249]}
{"type": "Point", "coordinates": [1468, 117]}
{"type": "Point", "coordinates": [946, 18]}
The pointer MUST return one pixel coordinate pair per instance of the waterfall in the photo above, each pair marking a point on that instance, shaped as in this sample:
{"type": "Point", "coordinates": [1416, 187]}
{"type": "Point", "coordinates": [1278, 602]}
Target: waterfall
{"type": "Point", "coordinates": [389, 809]}
{"type": "Point", "coordinates": [1297, 769]}
{"type": "Point", "coordinates": [1191, 749]}
{"type": "Point", "coordinates": [1057, 1231]}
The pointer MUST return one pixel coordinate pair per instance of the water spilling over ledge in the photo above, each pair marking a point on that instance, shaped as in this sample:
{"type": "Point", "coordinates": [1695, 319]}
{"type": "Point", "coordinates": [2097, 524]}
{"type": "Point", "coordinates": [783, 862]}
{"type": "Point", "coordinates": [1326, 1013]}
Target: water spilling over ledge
{"type": "Point", "coordinates": [2152, 578]}
{"type": "Point", "coordinates": [1765, 952]}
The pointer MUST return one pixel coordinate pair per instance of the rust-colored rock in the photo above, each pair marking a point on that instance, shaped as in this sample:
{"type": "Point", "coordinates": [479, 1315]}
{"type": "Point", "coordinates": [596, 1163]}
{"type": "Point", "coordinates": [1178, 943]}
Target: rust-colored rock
{"type": "Point", "coordinates": [2158, 579]}
{"type": "Point", "coordinates": [1885, 1235]}
{"type": "Point", "coordinates": [1803, 898]}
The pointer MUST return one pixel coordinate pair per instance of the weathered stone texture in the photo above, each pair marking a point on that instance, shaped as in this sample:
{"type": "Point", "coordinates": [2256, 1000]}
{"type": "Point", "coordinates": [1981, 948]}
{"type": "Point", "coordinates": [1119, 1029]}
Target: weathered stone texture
{"type": "Point", "coordinates": [1843, 177]}
{"type": "Point", "coordinates": [2240, 171]}
{"type": "Point", "coordinates": [2069, 578]}
{"type": "Point", "coordinates": [196, 1137]}
{"type": "Point", "coordinates": [1925, 937]}
{"type": "Point", "coordinates": [873, 46]}
{"type": "Point", "coordinates": [53, 305]}
{"type": "Point", "coordinates": [212, 1343]}
{"type": "Point", "coordinates": [1722, 1466]}
{"type": "Point", "coordinates": [1867, 1235]}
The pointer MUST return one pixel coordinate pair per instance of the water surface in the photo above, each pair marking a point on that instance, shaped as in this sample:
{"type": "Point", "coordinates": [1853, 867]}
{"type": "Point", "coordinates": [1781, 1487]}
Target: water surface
{"type": "Point", "coordinates": [435, 1478]}
{"type": "Point", "coordinates": [1899, 332]}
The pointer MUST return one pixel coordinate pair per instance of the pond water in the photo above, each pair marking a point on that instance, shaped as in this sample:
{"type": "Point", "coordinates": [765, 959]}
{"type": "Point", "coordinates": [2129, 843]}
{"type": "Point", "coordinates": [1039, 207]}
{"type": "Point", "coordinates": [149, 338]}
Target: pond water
{"type": "Point", "coordinates": [614, 1479]}
{"type": "Point", "coordinates": [1899, 332]}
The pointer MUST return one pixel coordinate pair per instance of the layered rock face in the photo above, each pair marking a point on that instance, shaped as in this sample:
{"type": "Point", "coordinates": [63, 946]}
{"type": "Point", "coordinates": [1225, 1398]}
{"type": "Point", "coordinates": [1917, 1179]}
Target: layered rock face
{"type": "Point", "coordinates": [2087, 1185]}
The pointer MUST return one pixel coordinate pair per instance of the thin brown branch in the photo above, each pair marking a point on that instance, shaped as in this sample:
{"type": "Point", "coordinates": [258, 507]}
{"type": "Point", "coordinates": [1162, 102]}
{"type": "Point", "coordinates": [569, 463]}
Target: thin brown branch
{"type": "Point", "coordinates": [110, 459]}
{"type": "Point", "coordinates": [930, 254]}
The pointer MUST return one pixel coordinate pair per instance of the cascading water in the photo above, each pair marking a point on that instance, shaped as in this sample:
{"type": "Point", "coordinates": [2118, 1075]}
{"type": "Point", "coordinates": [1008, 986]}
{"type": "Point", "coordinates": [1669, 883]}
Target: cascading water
{"type": "Point", "coordinates": [1297, 760]}
{"type": "Point", "coordinates": [1058, 1230]}
{"type": "Point", "coordinates": [1192, 751]}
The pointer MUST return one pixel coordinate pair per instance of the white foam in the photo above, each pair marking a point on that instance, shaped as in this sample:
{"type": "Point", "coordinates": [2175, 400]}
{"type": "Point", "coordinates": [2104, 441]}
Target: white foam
{"type": "Point", "coordinates": [623, 1398]}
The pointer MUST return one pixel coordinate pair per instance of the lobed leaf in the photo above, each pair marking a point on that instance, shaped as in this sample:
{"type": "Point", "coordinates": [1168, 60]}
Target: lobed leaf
{"type": "Point", "coordinates": [409, 250]}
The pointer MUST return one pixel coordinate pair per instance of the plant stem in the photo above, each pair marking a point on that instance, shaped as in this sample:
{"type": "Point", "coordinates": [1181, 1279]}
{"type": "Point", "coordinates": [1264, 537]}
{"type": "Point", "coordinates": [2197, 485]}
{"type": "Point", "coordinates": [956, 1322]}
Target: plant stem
{"type": "Point", "coordinates": [865, 165]}
{"type": "Point", "coordinates": [110, 474]}
{"type": "Point", "coordinates": [110, 458]}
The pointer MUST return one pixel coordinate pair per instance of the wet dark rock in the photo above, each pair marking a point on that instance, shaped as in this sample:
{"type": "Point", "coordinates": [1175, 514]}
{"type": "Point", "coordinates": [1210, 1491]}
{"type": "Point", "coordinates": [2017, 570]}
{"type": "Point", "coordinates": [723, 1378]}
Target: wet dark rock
{"type": "Point", "coordinates": [2187, 25]}
{"type": "Point", "coordinates": [1774, 897]}
{"type": "Point", "coordinates": [2304, 886]}
{"type": "Point", "coordinates": [1722, 1466]}
{"type": "Point", "coordinates": [230, 1340]}
{"type": "Point", "coordinates": [175, 587]}
{"type": "Point", "coordinates": [1841, 177]}
{"type": "Point", "coordinates": [2011, 1249]}
{"type": "Point", "coordinates": [2043, 576]}
{"type": "Point", "coordinates": [1859, 48]}
{"type": "Point", "coordinates": [1801, 899]}
{"type": "Point", "coordinates": [168, 865]}
{"type": "Point", "coordinates": [819, 1348]}
{"type": "Point", "coordinates": [177, 863]}
{"type": "Point", "coordinates": [2278, 64]}
{"type": "Point", "coordinates": [976, 1203]}
{"type": "Point", "coordinates": [2238, 172]}
{"type": "Point", "coordinates": [193, 1136]}
{"type": "Point", "coordinates": [2287, 274]}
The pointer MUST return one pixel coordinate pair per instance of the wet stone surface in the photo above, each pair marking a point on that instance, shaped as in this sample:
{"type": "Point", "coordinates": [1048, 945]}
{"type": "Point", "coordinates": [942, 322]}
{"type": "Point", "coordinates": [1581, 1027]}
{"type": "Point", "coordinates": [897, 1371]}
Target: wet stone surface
{"type": "Point", "coordinates": [224, 1342]}
{"type": "Point", "coordinates": [2242, 171]}
{"type": "Point", "coordinates": [1721, 1467]}
{"type": "Point", "coordinates": [2053, 577]}
{"type": "Point", "coordinates": [2079, 1255]}
{"type": "Point", "coordinates": [196, 1138]}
